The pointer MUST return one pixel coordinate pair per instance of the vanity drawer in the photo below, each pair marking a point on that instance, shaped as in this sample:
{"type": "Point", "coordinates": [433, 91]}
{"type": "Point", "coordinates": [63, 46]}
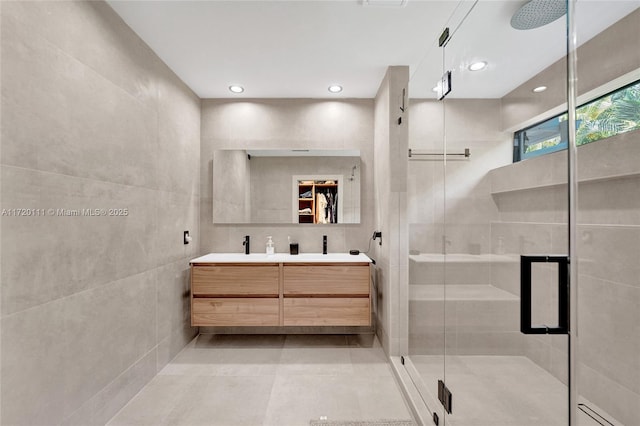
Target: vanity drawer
{"type": "Point", "coordinates": [352, 311]}
{"type": "Point", "coordinates": [235, 280]}
{"type": "Point", "coordinates": [235, 311]}
{"type": "Point", "coordinates": [323, 279]}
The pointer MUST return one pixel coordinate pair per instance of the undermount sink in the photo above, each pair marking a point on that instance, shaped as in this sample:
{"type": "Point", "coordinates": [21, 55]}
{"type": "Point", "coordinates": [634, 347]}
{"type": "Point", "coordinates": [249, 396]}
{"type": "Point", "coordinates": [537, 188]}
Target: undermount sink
{"type": "Point", "coordinates": [280, 258]}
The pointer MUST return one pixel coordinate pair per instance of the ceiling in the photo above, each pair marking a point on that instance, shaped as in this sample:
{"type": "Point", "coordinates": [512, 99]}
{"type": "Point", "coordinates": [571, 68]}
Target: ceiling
{"type": "Point", "coordinates": [296, 49]}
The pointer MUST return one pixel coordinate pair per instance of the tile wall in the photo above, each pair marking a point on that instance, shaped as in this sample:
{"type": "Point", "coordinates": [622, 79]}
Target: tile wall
{"type": "Point", "coordinates": [286, 124]}
{"type": "Point", "coordinates": [390, 188]}
{"type": "Point", "coordinates": [92, 306]}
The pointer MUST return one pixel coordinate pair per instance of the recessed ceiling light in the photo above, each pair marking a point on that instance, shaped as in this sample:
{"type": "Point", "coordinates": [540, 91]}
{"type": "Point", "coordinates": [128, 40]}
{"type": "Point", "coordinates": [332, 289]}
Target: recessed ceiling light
{"type": "Point", "coordinates": [335, 88]}
{"type": "Point", "coordinates": [477, 66]}
{"type": "Point", "coordinates": [539, 89]}
{"type": "Point", "coordinates": [236, 89]}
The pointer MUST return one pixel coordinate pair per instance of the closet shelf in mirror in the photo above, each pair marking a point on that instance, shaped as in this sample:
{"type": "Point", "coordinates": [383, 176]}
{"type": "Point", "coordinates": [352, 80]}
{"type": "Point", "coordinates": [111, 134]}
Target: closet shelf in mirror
{"type": "Point", "coordinates": [317, 201]}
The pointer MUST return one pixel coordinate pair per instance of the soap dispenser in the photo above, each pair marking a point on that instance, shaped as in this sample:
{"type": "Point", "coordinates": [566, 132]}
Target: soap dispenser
{"type": "Point", "coordinates": [270, 246]}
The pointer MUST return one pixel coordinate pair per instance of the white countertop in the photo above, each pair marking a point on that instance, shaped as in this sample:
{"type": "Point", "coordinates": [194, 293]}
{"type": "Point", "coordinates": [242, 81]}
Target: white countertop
{"type": "Point", "coordinates": [281, 258]}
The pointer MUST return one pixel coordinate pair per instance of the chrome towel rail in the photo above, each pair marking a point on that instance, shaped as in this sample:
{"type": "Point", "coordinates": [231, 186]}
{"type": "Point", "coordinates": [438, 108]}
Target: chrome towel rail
{"type": "Point", "coordinates": [414, 154]}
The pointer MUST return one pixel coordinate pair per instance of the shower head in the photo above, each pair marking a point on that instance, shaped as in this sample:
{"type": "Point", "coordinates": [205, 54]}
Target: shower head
{"type": "Point", "coordinates": [538, 13]}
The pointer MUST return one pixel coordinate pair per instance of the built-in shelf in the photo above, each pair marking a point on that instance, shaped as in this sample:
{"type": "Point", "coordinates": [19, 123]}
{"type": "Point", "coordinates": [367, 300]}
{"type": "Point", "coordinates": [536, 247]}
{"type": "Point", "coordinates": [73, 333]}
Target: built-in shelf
{"type": "Point", "coordinates": [611, 158]}
{"type": "Point", "coordinates": [464, 258]}
{"type": "Point", "coordinates": [459, 292]}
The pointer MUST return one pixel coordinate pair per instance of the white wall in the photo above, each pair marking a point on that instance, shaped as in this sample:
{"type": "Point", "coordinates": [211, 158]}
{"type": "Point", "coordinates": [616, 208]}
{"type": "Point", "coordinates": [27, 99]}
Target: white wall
{"type": "Point", "coordinates": [92, 307]}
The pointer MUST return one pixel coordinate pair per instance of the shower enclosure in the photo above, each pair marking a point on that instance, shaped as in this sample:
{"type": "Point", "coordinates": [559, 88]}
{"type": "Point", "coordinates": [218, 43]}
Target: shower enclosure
{"type": "Point", "coordinates": [524, 252]}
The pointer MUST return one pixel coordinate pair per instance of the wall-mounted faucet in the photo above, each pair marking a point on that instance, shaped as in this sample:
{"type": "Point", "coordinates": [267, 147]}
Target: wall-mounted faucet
{"type": "Point", "coordinates": [324, 244]}
{"type": "Point", "coordinates": [245, 243]}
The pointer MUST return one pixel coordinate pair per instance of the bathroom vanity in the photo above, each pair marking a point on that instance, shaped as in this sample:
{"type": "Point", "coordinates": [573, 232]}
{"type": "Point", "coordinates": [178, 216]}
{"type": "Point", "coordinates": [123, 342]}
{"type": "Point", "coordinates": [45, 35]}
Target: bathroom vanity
{"type": "Point", "coordinates": [229, 289]}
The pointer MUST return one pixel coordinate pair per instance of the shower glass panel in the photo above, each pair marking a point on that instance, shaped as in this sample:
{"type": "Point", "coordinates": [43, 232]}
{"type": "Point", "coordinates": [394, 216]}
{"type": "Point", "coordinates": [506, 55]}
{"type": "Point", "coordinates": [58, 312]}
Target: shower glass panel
{"type": "Point", "coordinates": [608, 218]}
{"type": "Point", "coordinates": [496, 213]}
{"type": "Point", "coordinates": [426, 211]}
{"type": "Point", "coordinates": [473, 219]}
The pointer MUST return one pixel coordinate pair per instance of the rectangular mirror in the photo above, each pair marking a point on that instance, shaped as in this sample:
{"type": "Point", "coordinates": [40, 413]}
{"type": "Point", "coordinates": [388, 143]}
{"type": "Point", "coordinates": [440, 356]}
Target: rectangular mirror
{"type": "Point", "coordinates": [286, 186]}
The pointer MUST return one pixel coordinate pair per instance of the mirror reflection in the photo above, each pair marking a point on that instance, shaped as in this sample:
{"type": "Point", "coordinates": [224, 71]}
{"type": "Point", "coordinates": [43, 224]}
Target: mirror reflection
{"type": "Point", "coordinates": [286, 186]}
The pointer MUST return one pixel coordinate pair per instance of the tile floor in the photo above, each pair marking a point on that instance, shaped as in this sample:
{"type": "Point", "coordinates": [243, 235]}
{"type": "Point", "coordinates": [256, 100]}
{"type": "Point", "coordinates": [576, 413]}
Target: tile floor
{"type": "Point", "coordinates": [269, 380]}
{"type": "Point", "coordinates": [497, 390]}
{"type": "Point", "coordinates": [500, 391]}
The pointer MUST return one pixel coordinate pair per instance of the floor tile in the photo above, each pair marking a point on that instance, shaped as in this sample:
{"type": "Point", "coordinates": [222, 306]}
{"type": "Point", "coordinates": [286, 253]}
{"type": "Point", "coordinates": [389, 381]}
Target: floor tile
{"type": "Point", "coordinates": [316, 341]}
{"type": "Point", "coordinates": [315, 361]}
{"type": "Point", "coordinates": [497, 390]}
{"type": "Point", "coordinates": [155, 402]}
{"type": "Point", "coordinates": [219, 341]}
{"type": "Point", "coordinates": [220, 400]}
{"type": "Point", "coordinates": [379, 399]}
{"type": "Point", "coordinates": [269, 380]}
{"type": "Point", "coordinates": [295, 400]}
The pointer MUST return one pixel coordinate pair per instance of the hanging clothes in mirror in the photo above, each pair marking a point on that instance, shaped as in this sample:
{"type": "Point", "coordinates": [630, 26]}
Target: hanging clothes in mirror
{"type": "Point", "coordinates": [321, 208]}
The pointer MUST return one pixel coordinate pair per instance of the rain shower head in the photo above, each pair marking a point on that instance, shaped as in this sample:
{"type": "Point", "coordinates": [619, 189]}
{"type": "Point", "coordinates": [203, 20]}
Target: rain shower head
{"type": "Point", "coordinates": [538, 13]}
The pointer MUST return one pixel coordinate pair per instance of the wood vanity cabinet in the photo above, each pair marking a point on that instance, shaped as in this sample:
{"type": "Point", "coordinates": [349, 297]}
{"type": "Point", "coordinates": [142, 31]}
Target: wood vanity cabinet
{"type": "Point", "coordinates": [319, 294]}
{"type": "Point", "coordinates": [281, 294]}
{"type": "Point", "coordinates": [235, 294]}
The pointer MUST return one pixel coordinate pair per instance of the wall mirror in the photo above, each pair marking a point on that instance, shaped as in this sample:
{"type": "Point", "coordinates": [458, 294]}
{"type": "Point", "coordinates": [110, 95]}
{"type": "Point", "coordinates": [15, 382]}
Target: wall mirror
{"type": "Point", "coordinates": [286, 186]}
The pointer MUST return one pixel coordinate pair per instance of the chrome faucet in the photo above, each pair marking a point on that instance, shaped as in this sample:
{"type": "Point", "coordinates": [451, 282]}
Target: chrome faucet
{"type": "Point", "coordinates": [245, 243]}
{"type": "Point", "coordinates": [324, 244]}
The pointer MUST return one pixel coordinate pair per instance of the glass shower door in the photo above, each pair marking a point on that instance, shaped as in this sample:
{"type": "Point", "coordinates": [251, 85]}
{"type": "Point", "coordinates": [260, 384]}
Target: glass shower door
{"type": "Point", "coordinates": [506, 360]}
{"type": "Point", "coordinates": [494, 297]}
{"type": "Point", "coordinates": [484, 350]}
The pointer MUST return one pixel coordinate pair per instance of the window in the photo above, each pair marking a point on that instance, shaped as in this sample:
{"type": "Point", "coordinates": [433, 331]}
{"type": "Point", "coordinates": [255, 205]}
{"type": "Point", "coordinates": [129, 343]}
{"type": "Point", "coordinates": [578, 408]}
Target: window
{"type": "Point", "coordinates": [614, 113]}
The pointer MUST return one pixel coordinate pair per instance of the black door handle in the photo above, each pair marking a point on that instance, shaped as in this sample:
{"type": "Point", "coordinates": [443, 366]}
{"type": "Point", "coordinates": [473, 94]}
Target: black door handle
{"type": "Point", "coordinates": [563, 294]}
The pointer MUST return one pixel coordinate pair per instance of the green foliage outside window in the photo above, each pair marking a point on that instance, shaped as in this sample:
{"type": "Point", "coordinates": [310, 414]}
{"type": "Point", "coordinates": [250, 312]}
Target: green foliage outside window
{"type": "Point", "coordinates": [548, 143]}
{"type": "Point", "coordinates": [610, 115]}
{"type": "Point", "coordinates": [607, 116]}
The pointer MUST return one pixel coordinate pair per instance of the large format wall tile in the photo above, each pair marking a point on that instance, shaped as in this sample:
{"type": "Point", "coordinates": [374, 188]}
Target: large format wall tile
{"type": "Point", "coordinates": [610, 202]}
{"type": "Point", "coordinates": [610, 253]}
{"type": "Point", "coordinates": [33, 360]}
{"type": "Point", "coordinates": [106, 331]}
{"type": "Point", "coordinates": [609, 322]}
{"type": "Point", "coordinates": [279, 123]}
{"type": "Point", "coordinates": [178, 136]}
{"type": "Point", "coordinates": [609, 395]}
{"type": "Point", "coordinates": [105, 404]}
{"type": "Point", "coordinates": [92, 119]}
{"type": "Point", "coordinates": [50, 256]}
{"type": "Point", "coordinates": [173, 287]}
{"type": "Point", "coordinates": [176, 213]}
{"type": "Point", "coordinates": [62, 116]}
{"type": "Point", "coordinates": [285, 124]}
{"type": "Point", "coordinates": [108, 44]}
{"type": "Point", "coordinates": [95, 334]}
